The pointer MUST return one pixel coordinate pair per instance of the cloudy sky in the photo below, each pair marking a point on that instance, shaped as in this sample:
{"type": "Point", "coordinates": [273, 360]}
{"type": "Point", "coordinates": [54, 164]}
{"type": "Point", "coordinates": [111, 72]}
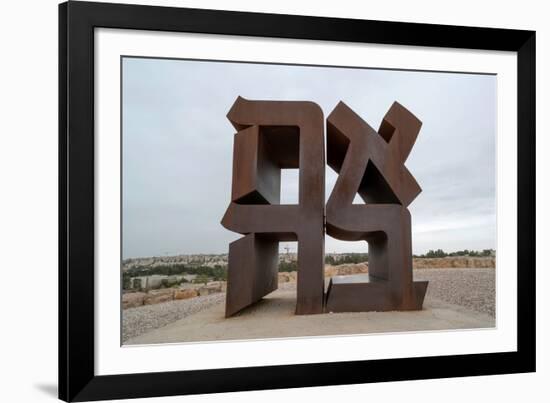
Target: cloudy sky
{"type": "Point", "coordinates": [177, 148]}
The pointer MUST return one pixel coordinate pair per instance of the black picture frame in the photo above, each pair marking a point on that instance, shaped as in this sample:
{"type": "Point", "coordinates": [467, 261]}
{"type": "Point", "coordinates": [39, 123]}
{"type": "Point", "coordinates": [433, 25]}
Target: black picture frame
{"type": "Point", "coordinates": [77, 21]}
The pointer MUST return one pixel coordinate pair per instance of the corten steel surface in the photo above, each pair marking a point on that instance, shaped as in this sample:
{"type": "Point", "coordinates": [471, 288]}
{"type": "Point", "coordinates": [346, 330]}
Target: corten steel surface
{"type": "Point", "coordinates": [371, 164]}
{"type": "Point", "coordinates": [275, 135]}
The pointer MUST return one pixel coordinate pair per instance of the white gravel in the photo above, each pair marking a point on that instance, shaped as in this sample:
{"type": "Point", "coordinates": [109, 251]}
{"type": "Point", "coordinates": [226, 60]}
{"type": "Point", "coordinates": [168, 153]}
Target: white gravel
{"type": "Point", "coordinates": [471, 288]}
{"type": "Point", "coordinates": [136, 321]}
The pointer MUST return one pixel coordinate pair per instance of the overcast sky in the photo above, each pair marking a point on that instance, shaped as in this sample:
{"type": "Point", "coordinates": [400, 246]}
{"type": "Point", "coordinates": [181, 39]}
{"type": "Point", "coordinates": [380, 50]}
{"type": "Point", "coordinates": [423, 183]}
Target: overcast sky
{"type": "Point", "coordinates": [178, 143]}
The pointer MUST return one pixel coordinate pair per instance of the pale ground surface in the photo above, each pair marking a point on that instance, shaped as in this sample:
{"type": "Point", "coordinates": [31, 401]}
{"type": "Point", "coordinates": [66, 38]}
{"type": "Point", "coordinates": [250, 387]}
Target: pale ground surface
{"type": "Point", "coordinates": [468, 304]}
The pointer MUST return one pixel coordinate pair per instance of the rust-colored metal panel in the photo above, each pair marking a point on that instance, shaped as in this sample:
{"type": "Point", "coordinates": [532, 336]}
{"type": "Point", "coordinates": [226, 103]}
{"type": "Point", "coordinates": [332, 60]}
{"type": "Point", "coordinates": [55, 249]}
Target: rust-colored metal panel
{"type": "Point", "coordinates": [371, 164]}
{"type": "Point", "coordinates": [275, 135]}
{"type": "Point", "coordinates": [252, 271]}
{"type": "Point", "coordinates": [362, 293]}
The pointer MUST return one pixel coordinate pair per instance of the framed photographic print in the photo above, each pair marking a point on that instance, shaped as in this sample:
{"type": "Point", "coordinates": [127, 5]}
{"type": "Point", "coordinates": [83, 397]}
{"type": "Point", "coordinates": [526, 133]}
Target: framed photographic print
{"type": "Point", "coordinates": [259, 201]}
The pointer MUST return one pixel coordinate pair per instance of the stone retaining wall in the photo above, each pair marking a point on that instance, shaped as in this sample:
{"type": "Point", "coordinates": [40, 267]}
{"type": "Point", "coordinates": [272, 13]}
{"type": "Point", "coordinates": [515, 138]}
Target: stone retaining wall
{"type": "Point", "coordinates": [135, 299]}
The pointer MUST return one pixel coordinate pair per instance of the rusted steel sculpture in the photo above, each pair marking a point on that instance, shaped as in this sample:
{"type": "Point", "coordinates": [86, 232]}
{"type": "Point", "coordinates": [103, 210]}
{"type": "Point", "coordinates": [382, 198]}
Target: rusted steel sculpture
{"type": "Point", "coordinates": [371, 164]}
{"type": "Point", "coordinates": [274, 135]}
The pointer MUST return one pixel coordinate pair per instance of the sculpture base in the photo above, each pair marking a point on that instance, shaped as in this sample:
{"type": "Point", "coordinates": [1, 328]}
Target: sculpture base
{"type": "Point", "coordinates": [361, 293]}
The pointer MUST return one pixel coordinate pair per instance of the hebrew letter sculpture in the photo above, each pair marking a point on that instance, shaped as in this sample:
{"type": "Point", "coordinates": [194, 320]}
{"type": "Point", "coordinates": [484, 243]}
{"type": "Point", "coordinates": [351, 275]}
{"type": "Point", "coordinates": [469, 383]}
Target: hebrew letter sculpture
{"type": "Point", "coordinates": [371, 164]}
{"type": "Point", "coordinates": [274, 135]}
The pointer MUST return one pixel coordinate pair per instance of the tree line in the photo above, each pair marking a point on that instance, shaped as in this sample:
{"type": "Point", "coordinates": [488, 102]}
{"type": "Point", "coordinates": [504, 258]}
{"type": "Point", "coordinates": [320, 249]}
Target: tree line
{"type": "Point", "coordinates": [217, 272]}
{"type": "Point", "coordinates": [470, 253]}
{"type": "Point", "coordinates": [348, 258]}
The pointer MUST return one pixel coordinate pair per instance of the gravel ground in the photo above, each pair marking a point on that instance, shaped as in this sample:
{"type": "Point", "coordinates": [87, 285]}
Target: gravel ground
{"type": "Point", "coordinates": [471, 288]}
{"type": "Point", "coordinates": [136, 321]}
